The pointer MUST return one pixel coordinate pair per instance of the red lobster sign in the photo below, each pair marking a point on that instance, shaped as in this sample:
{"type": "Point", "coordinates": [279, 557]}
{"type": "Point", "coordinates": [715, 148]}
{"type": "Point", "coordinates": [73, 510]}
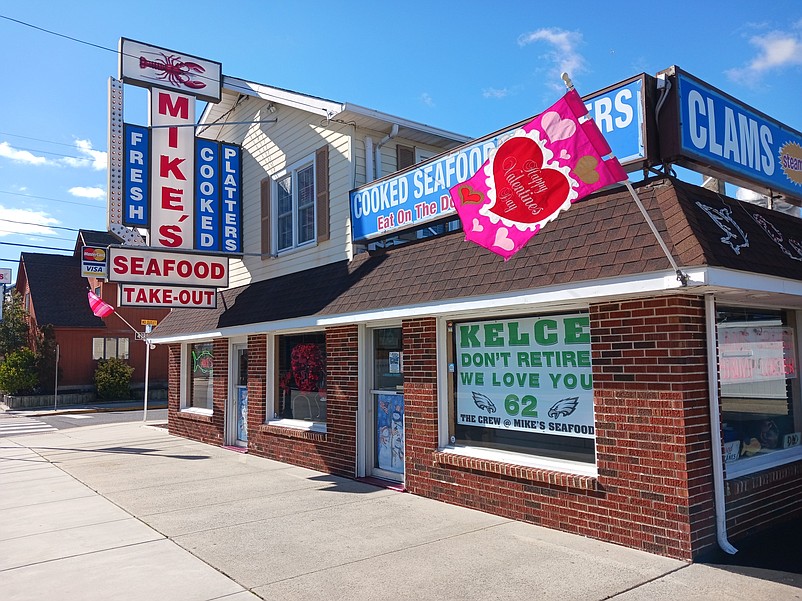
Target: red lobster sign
{"type": "Point", "coordinates": [151, 66]}
{"type": "Point", "coordinates": [171, 68]}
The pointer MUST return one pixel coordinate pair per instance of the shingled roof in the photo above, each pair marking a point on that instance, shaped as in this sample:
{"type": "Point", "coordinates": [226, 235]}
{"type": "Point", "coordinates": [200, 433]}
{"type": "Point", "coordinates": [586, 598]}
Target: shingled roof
{"type": "Point", "coordinates": [58, 292]}
{"type": "Point", "coordinates": [604, 236]}
{"type": "Point", "coordinates": [95, 238]}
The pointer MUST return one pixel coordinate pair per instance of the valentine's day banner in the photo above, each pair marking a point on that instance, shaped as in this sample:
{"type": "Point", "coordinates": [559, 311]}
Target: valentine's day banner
{"type": "Point", "coordinates": [546, 165]}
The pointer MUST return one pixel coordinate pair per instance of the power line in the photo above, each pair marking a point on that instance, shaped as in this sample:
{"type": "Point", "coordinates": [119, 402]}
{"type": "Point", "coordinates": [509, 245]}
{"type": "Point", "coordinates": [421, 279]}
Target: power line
{"type": "Point", "coordinates": [69, 202]}
{"type": "Point", "coordinates": [33, 235]}
{"type": "Point", "coordinates": [114, 50]}
{"type": "Point", "coordinates": [35, 246]}
{"type": "Point", "coordinates": [57, 154]}
{"type": "Point", "coordinates": [61, 35]}
{"type": "Point", "coordinates": [5, 133]}
{"type": "Point", "coordinates": [54, 227]}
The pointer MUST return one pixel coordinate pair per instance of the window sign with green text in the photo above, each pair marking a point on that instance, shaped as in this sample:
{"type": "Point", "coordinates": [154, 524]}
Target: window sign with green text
{"type": "Point", "coordinates": [529, 374]}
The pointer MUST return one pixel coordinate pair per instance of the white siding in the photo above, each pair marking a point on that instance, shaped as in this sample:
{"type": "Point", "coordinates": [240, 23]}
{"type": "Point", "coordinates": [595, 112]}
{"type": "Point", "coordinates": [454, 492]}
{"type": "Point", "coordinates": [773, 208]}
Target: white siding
{"type": "Point", "coordinates": [268, 149]}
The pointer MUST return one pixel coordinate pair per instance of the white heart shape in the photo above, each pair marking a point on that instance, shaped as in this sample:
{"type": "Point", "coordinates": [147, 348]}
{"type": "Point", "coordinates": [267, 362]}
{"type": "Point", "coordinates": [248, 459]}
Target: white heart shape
{"type": "Point", "coordinates": [477, 227]}
{"type": "Point", "coordinates": [556, 127]}
{"type": "Point", "coordinates": [564, 154]}
{"type": "Point", "coordinates": [502, 241]}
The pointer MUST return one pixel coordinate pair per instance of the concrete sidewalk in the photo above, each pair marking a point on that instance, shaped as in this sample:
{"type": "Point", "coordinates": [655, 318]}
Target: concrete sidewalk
{"type": "Point", "coordinates": [126, 511]}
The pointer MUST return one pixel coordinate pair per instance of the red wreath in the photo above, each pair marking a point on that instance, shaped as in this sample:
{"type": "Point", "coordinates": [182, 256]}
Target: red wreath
{"type": "Point", "coordinates": [308, 368]}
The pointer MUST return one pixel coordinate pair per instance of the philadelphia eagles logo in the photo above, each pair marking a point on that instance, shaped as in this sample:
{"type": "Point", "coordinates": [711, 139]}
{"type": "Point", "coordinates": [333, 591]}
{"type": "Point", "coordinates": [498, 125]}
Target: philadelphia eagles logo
{"type": "Point", "coordinates": [564, 407]}
{"type": "Point", "coordinates": [483, 402]}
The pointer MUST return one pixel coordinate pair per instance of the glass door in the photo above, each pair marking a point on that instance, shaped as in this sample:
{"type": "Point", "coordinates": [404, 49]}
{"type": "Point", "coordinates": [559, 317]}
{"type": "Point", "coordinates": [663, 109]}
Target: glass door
{"type": "Point", "coordinates": [387, 404]}
{"type": "Point", "coordinates": [241, 394]}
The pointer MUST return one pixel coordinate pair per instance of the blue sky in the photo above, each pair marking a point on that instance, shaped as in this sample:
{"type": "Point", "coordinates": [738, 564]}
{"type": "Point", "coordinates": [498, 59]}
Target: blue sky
{"type": "Point", "coordinates": [469, 67]}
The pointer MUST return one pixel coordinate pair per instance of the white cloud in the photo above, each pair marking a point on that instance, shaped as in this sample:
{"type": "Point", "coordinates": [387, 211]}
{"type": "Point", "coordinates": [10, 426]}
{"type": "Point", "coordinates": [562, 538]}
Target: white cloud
{"type": "Point", "coordinates": [21, 156]}
{"type": "Point", "coordinates": [24, 221]}
{"type": "Point", "coordinates": [564, 55]}
{"type": "Point", "coordinates": [426, 99]}
{"type": "Point", "coordinates": [95, 158]}
{"type": "Point", "coordinates": [775, 50]}
{"type": "Point", "coordinates": [495, 92]}
{"type": "Point", "coordinates": [84, 192]}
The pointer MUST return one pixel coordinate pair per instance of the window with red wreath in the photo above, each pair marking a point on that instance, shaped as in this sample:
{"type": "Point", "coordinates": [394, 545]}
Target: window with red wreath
{"type": "Point", "coordinates": [301, 377]}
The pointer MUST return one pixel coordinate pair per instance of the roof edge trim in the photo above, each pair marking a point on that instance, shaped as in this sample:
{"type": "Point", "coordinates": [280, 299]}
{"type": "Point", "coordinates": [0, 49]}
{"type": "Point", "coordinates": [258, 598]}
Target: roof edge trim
{"type": "Point", "coordinates": [653, 282]}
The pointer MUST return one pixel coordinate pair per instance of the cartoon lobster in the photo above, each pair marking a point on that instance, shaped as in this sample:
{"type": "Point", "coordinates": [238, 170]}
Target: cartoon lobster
{"type": "Point", "coordinates": [174, 70]}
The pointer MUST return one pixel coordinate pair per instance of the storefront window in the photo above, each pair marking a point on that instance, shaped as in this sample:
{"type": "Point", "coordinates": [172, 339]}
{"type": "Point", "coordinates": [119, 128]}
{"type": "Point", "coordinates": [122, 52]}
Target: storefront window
{"type": "Point", "coordinates": [525, 385]}
{"type": "Point", "coordinates": [757, 373]}
{"type": "Point", "coordinates": [302, 377]}
{"type": "Point", "coordinates": [201, 375]}
{"type": "Point", "coordinates": [108, 348]}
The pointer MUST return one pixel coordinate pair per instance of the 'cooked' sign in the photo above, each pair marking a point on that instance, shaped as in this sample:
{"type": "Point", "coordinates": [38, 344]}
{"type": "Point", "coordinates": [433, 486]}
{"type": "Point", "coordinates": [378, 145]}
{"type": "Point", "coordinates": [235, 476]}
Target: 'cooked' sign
{"type": "Point", "coordinates": [143, 265]}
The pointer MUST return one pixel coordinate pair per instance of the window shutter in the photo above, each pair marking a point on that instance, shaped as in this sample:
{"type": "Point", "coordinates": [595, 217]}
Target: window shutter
{"type": "Point", "coordinates": [405, 155]}
{"type": "Point", "coordinates": [265, 200]}
{"type": "Point", "coordinates": [322, 187]}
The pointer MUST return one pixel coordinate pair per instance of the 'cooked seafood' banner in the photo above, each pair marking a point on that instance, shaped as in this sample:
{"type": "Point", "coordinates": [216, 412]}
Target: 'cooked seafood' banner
{"type": "Point", "coordinates": [529, 374]}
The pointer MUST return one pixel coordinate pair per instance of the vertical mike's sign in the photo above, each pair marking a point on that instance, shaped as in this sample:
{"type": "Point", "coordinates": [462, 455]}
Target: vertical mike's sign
{"type": "Point", "coordinates": [172, 165]}
{"type": "Point", "coordinates": [186, 191]}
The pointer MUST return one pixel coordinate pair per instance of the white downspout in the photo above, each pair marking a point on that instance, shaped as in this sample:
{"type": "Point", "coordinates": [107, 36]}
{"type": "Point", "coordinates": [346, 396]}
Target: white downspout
{"type": "Point", "coordinates": [369, 160]}
{"type": "Point", "coordinates": [393, 133]}
{"type": "Point", "coordinates": [715, 427]}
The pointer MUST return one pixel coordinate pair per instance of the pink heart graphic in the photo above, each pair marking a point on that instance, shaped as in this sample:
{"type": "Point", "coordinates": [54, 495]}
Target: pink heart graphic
{"type": "Point", "coordinates": [477, 227]}
{"type": "Point", "coordinates": [556, 127]}
{"type": "Point", "coordinates": [502, 241]}
{"type": "Point", "coordinates": [525, 192]}
{"type": "Point", "coordinates": [564, 155]}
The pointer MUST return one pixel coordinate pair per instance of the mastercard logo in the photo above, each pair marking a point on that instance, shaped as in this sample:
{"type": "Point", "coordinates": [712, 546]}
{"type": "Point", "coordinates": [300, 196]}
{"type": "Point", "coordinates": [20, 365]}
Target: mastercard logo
{"type": "Point", "coordinates": [95, 254]}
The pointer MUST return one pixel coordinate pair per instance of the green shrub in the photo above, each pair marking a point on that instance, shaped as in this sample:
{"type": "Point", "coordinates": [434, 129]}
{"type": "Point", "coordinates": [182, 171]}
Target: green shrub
{"type": "Point", "coordinates": [18, 373]}
{"type": "Point", "coordinates": [113, 379]}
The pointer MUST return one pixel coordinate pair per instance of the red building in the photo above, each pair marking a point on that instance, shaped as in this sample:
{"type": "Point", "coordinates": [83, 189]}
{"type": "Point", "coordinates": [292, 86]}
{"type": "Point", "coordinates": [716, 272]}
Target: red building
{"type": "Point", "coordinates": [55, 294]}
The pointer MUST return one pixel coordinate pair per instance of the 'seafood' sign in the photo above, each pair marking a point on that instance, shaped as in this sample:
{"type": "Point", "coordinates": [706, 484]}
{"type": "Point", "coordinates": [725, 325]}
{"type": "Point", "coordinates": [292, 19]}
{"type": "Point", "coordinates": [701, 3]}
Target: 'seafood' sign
{"type": "Point", "coordinates": [139, 295]}
{"type": "Point", "coordinates": [136, 265]}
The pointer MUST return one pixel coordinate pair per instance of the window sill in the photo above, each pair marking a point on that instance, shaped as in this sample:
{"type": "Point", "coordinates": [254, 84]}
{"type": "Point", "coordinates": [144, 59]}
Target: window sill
{"type": "Point", "coordinates": [294, 428]}
{"type": "Point", "coordinates": [295, 249]}
{"type": "Point", "coordinates": [751, 465]}
{"type": "Point", "coordinates": [571, 474]}
{"type": "Point", "coordinates": [201, 415]}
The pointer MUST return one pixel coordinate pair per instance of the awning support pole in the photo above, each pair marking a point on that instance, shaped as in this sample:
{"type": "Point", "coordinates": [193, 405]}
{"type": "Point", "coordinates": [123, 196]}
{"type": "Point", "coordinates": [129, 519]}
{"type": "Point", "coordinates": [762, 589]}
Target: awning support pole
{"type": "Point", "coordinates": [682, 277]}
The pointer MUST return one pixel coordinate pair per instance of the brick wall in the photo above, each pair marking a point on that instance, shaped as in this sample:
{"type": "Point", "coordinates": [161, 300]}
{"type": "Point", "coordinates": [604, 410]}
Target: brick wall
{"type": "Point", "coordinates": [420, 404]}
{"type": "Point", "coordinates": [654, 490]}
{"type": "Point", "coordinates": [333, 452]}
{"type": "Point", "coordinates": [764, 499]}
{"type": "Point", "coordinates": [205, 428]}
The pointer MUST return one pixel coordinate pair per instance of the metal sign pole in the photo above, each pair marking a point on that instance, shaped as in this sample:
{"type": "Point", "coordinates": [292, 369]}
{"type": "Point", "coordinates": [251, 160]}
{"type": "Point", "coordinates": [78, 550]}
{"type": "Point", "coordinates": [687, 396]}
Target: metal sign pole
{"type": "Point", "coordinates": [55, 390]}
{"type": "Point", "coordinates": [148, 330]}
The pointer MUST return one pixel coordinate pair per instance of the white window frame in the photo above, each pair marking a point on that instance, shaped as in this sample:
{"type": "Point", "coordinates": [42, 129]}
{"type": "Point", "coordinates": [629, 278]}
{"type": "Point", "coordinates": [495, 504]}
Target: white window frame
{"type": "Point", "coordinates": [779, 457]}
{"type": "Point", "coordinates": [271, 380]}
{"type": "Point", "coordinates": [292, 171]}
{"type": "Point", "coordinates": [116, 355]}
{"type": "Point", "coordinates": [185, 380]}
{"type": "Point", "coordinates": [448, 444]}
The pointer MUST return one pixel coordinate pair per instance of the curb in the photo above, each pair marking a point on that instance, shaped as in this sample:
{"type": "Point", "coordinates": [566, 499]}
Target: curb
{"type": "Point", "coordinates": [34, 411]}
